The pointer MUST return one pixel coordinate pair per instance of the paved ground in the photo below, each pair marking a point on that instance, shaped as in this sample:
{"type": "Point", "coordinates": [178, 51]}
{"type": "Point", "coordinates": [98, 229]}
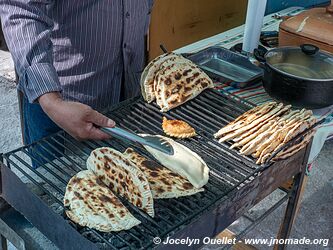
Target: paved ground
{"type": "Point", "coordinates": [315, 218]}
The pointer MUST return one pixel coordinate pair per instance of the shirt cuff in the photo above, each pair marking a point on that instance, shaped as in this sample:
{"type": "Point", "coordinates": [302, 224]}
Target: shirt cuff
{"type": "Point", "coordinates": [38, 79]}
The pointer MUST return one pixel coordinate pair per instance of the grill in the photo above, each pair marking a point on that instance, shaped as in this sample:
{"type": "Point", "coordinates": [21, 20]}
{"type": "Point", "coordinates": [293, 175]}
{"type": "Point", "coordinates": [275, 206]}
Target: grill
{"type": "Point", "coordinates": [207, 113]}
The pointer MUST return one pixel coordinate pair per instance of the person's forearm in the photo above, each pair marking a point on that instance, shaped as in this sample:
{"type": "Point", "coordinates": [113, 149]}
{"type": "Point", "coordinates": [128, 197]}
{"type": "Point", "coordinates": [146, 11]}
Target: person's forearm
{"type": "Point", "coordinates": [49, 100]}
{"type": "Point", "coordinates": [79, 120]}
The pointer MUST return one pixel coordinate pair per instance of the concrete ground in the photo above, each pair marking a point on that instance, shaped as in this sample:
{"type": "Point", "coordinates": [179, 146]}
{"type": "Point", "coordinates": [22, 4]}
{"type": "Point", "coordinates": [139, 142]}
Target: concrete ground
{"type": "Point", "coordinates": [314, 221]}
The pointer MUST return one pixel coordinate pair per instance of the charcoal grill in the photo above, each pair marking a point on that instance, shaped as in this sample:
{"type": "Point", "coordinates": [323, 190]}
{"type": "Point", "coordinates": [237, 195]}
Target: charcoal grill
{"type": "Point", "coordinates": [236, 183]}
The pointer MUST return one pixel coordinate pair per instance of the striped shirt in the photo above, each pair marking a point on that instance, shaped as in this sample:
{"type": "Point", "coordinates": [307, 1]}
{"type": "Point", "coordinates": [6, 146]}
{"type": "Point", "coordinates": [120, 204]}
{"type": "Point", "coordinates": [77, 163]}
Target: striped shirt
{"type": "Point", "coordinates": [84, 48]}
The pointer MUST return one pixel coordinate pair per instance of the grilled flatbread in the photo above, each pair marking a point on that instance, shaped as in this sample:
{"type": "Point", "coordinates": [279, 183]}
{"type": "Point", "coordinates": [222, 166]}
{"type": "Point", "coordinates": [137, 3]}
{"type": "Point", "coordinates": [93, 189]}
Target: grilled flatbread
{"type": "Point", "coordinates": [290, 130]}
{"type": "Point", "coordinates": [90, 203]}
{"type": "Point", "coordinates": [254, 135]}
{"type": "Point", "coordinates": [177, 128]}
{"type": "Point", "coordinates": [163, 182]}
{"type": "Point", "coordinates": [178, 84]}
{"type": "Point", "coordinates": [254, 132]}
{"type": "Point", "coordinates": [264, 129]}
{"type": "Point", "coordinates": [294, 149]}
{"type": "Point", "coordinates": [275, 142]}
{"type": "Point", "coordinates": [299, 128]}
{"type": "Point", "coordinates": [148, 75]}
{"type": "Point", "coordinates": [184, 162]}
{"type": "Point", "coordinates": [172, 80]}
{"type": "Point", "coordinates": [246, 118]}
{"type": "Point", "coordinates": [122, 177]}
{"type": "Point", "coordinates": [269, 116]}
{"type": "Point", "coordinates": [256, 142]}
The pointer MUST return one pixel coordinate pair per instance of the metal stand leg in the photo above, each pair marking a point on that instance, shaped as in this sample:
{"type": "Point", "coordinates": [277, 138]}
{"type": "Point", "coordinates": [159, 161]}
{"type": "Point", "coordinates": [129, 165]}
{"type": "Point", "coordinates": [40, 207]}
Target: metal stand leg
{"type": "Point", "coordinates": [3, 245]}
{"type": "Point", "coordinates": [8, 234]}
{"type": "Point", "coordinates": [291, 210]}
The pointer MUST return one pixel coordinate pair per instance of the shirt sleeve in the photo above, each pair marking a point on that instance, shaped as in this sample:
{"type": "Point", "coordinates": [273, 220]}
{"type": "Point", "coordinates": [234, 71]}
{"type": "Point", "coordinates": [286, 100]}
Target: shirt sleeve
{"type": "Point", "coordinates": [27, 30]}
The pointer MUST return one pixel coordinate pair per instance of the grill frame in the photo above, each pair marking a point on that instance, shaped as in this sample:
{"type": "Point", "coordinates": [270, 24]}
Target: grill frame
{"type": "Point", "coordinates": [190, 226]}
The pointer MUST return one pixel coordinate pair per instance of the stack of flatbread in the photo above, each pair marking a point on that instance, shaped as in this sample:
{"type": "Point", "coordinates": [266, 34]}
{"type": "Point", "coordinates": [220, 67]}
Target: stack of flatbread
{"type": "Point", "coordinates": [172, 80]}
{"type": "Point", "coordinates": [90, 196]}
{"type": "Point", "coordinates": [263, 130]}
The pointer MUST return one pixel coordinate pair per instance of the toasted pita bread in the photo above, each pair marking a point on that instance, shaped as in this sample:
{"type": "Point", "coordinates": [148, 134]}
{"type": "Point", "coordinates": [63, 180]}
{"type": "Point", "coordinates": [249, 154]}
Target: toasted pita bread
{"type": "Point", "coordinates": [279, 139]}
{"type": "Point", "coordinates": [275, 141]}
{"type": "Point", "coordinates": [163, 182]}
{"type": "Point", "coordinates": [172, 80]}
{"type": "Point", "coordinates": [90, 203]}
{"type": "Point", "coordinates": [277, 131]}
{"type": "Point", "coordinates": [122, 177]}
{"type": "Point", "coordinates": [184, 162]}
{"type": "Point", "coordinates": [177, 128]}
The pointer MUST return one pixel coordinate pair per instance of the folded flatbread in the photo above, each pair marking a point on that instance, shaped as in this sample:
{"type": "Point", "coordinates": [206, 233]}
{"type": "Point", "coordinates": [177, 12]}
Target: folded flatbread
{"type": "Point", "coordinates": [163, 182]}
{"type": "Point", "coordinates": [179, 83]}
{"type": "Point", "coordinates": [122, 177]}
{"type": "Point", "coordinates": [172, 80]}
{"type": "Point", "coordinates": [148, 75]}
{"type": "Point", "coordinates": [184, 162]}
{"type": "Point", "coordinates": [90, 203]}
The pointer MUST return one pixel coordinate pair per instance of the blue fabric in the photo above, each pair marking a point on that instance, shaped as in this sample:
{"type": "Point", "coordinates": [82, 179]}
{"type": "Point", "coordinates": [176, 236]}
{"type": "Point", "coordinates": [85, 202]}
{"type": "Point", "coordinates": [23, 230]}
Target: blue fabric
{"type": "Point", "coordinates": [37, 125]}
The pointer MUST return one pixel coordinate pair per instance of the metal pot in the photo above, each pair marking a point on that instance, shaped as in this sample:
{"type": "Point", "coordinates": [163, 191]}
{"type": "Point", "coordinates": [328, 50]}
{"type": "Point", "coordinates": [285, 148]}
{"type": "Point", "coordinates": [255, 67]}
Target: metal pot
{"type": "Point", "coordinates": [301, 76]}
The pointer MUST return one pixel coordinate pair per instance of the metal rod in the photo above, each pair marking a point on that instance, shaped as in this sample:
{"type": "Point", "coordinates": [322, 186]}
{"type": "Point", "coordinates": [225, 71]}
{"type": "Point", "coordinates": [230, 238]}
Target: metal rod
{"type": "Point", "coordinates": [60, 153]}
{"type": "Point", "coordinates": [69, 149]}
{"type": "Point", "coordinates": [256, 222]}
{"type": "Point", "coordinates": [42, 177]}
{"type": "Point", "coordinates": [163, 48]}
{"type": "Point", "coordinates": [34, 181]}
{"type": "Point", "coordinates": [47, 168]}
{"type": "Point", "coordinates": [264, 216]}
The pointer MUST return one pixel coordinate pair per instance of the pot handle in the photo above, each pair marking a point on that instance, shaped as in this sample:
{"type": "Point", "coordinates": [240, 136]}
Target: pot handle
{"type": "Point", "coordinates": [260, 55]}
{"type": "Point", "coordinates": [309, 49]}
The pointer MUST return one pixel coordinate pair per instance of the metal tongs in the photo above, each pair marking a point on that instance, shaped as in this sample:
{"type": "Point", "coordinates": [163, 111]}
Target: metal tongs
{"type": "Point", "coordinates": [152, 141]}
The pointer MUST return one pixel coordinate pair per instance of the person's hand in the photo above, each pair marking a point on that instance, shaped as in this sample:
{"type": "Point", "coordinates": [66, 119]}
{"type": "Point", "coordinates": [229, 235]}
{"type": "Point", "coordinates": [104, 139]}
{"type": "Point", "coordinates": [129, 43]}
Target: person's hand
{"type": "Point", "coordinates": [77, 119]}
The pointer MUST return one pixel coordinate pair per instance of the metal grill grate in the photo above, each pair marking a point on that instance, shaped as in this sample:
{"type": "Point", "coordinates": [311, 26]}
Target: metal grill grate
{"type": "Point", "coordinates": [207, 113]}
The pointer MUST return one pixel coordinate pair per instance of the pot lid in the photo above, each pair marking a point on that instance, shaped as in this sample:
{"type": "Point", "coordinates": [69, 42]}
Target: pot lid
{"type": "Point", "coordinates": [315, 24]}
{"type": "Point", "coordinates": [305, 62]}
